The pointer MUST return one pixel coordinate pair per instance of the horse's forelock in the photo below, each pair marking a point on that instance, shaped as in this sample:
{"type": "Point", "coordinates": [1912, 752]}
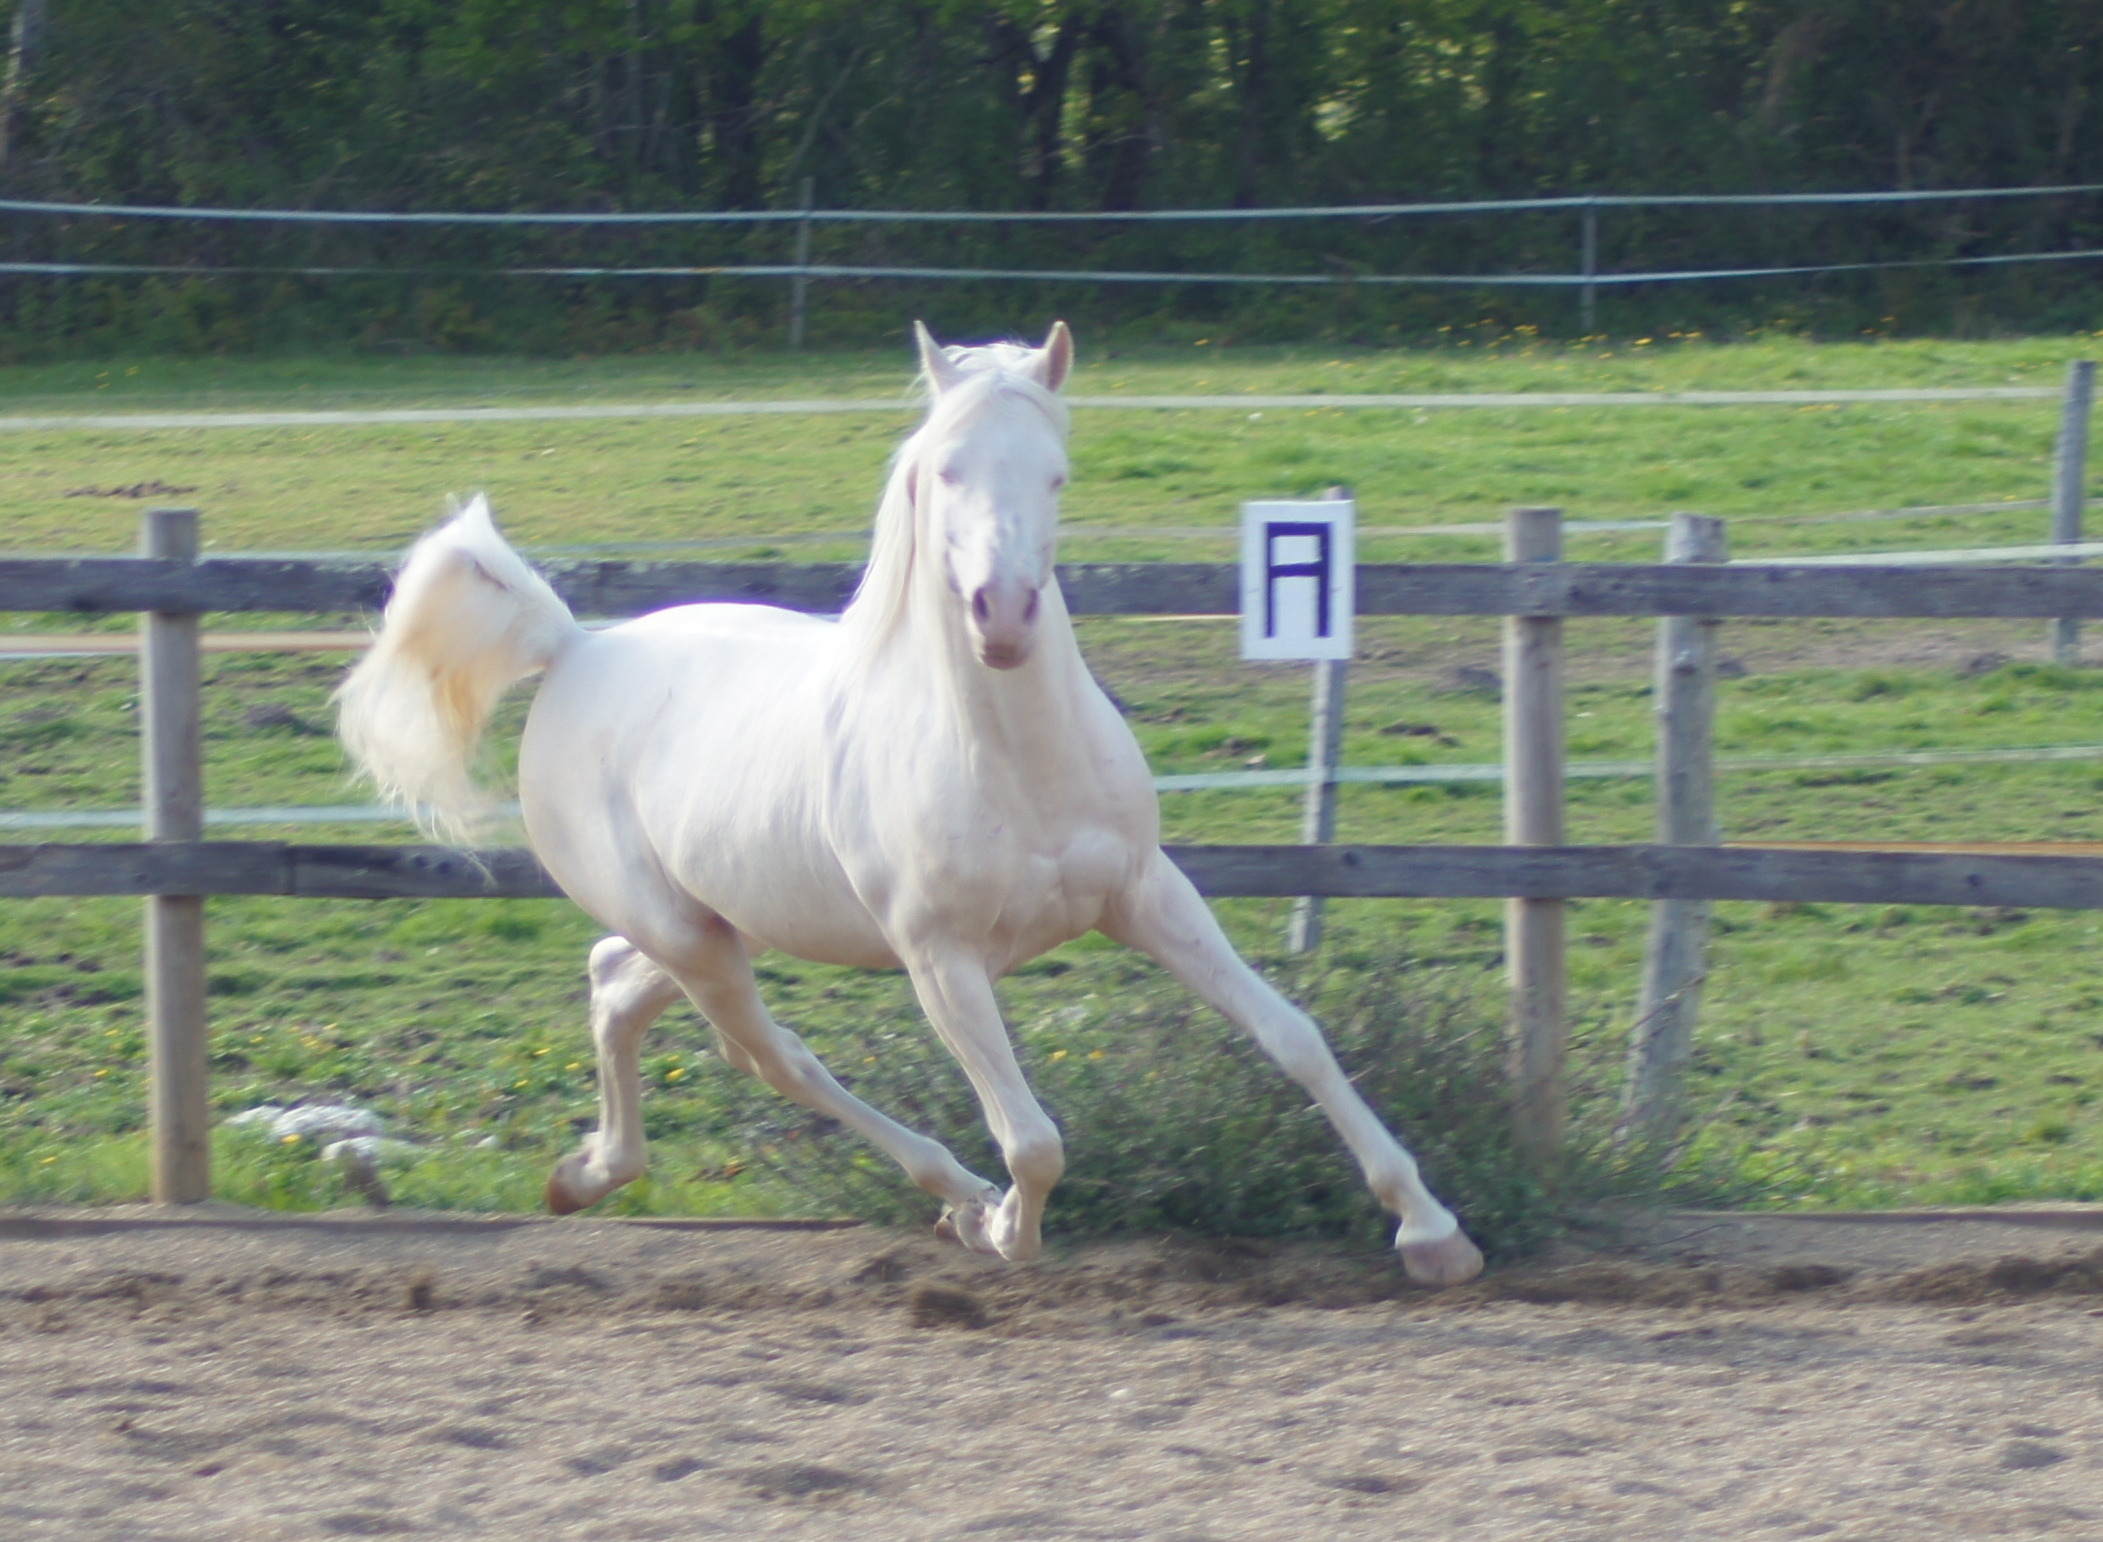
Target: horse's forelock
{"type": "Point", "coordinates": [981, 388]}
{"type": "Point", "coordinates": [881, 597]}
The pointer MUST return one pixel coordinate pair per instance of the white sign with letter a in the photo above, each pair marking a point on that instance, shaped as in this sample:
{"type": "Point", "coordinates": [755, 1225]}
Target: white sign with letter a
{"type": "Point", "coordinates": [1298, 579]}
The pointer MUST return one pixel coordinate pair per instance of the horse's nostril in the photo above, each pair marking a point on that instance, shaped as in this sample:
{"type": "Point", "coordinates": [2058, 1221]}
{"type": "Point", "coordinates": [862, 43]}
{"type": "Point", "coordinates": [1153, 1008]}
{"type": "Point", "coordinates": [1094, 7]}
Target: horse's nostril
{"type": "Point", "coordinates": [979, 607]}
{"type": "Point", "coordinates": [1029, 610]}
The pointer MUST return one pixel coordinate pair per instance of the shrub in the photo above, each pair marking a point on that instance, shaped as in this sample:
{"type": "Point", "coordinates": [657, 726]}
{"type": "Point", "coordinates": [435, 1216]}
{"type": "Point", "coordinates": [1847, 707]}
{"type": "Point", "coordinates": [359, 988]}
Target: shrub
{"type": "Point", "coordinates": [1175, 1122]}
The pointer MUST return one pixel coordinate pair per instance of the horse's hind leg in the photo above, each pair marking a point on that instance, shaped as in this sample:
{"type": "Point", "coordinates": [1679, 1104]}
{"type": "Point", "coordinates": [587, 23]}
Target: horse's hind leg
{"type": "Point", "coordinates": [628, 994]}
{"type": "Point", "coordinates": [1163, 915]}
{"type": "Point", "coordinates": [716, 972]}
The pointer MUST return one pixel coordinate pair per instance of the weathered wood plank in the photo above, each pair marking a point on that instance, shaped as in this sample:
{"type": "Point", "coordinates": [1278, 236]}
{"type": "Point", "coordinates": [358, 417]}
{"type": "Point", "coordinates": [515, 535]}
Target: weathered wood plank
{"type": "Point", "coordinates": [1151, 588]}
{"type": "Point", "coordinates": [49, 869]}
{"type": "Point", "coordinates": [1616, 589]}
{"type": "Point", "coordinates": [1325, 752]}
{"type": "Point", "coordinates": [432, 872]}
{"type": "Point", "coordinates": [1222, 872]}
{"type": "Point", "coordinates": [2070, 489]}
{"type": "Point", "coordinates": [1645, 873]}
{"type": "Point", "coordinates": [1661, 1042]}
{"type": "Point", "coordinates": [1535, 965]}
{"type": "Point", "coordinates": [104, 584]}
{"type": "Point", "coordinates": [171, 707]}
{"type": "Point", "coordinates": [92, 585]}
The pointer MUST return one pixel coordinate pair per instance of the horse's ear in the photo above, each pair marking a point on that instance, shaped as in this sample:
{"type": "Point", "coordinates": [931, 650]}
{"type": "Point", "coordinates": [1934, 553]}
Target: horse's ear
{"type": "Point", "coordinates": [1055, 358]}
{"type": "Point", "coordinates": [941, 370]}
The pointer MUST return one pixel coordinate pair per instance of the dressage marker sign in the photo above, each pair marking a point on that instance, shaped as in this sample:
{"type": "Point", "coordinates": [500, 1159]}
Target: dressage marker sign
{"type": "Point", "coordinates": [1298, 570]}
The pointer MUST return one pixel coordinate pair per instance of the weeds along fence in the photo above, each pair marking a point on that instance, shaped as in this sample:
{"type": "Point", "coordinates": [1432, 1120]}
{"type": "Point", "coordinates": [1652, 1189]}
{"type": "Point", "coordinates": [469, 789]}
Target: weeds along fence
{"type": "Point", "coordinates": [1536, 872]}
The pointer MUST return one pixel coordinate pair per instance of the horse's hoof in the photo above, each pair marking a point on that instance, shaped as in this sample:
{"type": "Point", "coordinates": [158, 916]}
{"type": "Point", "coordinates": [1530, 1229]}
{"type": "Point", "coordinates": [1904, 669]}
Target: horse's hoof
{"type": "Point", "coordinates": [560, 1200]}
{"type": "Point", "coordinates": [965, 1225]}
{"type": "Point", "coordinates": [1452, 1260]}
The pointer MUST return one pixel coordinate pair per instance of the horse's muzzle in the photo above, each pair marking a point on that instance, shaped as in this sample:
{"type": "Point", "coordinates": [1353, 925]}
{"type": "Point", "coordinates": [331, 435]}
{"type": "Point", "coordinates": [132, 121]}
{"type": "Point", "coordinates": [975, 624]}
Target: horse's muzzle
{"type": "Point", "coordinates": [1004, 623]}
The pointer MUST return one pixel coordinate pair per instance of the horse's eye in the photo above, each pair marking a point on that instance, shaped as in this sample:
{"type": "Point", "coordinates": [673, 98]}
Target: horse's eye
{"type": "Point", "coordinates": [949, 478]}
{"type": "Point", "coordinates": [1058, 482]}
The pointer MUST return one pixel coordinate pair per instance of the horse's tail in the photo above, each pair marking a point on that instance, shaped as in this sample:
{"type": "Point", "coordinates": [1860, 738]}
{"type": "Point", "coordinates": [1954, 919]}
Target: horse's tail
{"type": "Point", "coordinates": [468, 619]}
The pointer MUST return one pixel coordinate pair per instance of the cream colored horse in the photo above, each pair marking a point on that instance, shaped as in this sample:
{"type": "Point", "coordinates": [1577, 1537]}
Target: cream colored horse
{"type": "Point", "coordinates": [932, 781]}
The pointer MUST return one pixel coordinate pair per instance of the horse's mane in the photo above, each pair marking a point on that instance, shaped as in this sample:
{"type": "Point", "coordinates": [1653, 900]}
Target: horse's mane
{"type": "Point", "coordinates": [990, 375]}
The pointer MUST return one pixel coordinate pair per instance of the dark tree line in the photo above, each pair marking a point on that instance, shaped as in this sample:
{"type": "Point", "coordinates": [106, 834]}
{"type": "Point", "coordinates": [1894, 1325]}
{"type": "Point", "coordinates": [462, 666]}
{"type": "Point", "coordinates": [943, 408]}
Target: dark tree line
{"type": "Point", "coordinates": [1063, 104]}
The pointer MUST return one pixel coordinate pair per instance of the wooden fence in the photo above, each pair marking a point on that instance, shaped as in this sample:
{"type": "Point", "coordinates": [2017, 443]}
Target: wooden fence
{"type": "Point", "coordinates": [174, 868]}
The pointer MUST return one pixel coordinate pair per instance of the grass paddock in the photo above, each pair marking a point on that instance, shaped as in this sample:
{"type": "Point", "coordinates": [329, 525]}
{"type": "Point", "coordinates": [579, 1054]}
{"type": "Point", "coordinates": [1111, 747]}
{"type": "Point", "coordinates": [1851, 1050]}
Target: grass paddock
{"type": "Point", "coordinates": [1847, 1055]}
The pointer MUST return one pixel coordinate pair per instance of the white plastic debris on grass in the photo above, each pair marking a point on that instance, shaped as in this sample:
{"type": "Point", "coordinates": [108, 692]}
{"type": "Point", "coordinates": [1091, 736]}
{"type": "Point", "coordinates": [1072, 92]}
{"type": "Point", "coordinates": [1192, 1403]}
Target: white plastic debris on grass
{"type": "Point", "coordinates": [350, 1138]}
{"type": "Point", "coordinates": [367, 1150]}
{"type": "Point", "coordinates": [325, 1122]}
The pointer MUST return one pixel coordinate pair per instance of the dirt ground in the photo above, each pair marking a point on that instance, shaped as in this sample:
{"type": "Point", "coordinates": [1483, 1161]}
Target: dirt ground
{"type": "Point", "coordinates": [236, 1376]}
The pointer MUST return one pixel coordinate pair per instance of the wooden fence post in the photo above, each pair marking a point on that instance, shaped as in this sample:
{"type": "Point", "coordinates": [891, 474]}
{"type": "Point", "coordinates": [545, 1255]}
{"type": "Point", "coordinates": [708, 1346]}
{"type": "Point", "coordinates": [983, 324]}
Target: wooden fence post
{"type": "Point", "coordinates": [1675, 962]}
{"type": "Point", "coordinates": [1533, 816]}
{"type": "Point", "coordinates": [2069, 482]}
{"type": "Point", "coordinates": [1325, 747]}
{"type": "Point", "coordinates": [170, 747]}
{"type": "Point", "coordinates": [799, 286]}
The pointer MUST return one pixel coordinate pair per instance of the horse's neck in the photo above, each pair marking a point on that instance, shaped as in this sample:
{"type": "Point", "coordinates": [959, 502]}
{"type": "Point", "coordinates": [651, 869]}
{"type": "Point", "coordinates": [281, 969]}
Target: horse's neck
{"type": "Point", "coordinates": [1029, 712]}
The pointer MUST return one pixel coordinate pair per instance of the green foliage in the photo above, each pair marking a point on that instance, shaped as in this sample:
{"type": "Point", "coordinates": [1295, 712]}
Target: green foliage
{"type": "Point", "coordinates": [1174, 1122]}
{"type": "Point", "coordinates": [1028, 104]}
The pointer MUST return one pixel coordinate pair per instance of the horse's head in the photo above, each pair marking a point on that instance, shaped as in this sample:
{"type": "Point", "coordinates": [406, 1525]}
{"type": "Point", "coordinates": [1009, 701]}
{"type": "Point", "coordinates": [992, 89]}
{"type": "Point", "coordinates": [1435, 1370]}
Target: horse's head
{"type": "Point", "coordinates": [987, 479]}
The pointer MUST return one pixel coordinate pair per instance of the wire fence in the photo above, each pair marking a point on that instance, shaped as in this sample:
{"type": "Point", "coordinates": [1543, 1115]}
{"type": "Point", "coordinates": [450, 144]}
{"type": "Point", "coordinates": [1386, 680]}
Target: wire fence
{"type": "Point", "coordinates": [1368, 263]}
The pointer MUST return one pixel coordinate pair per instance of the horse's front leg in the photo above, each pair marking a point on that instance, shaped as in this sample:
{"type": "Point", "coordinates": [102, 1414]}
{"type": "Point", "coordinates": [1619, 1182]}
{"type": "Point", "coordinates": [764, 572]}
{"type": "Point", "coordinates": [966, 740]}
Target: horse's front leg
{"type": "Point", "coordinates": [956, 992]}
{"type": "Point", "coordinates": [1163, 915]}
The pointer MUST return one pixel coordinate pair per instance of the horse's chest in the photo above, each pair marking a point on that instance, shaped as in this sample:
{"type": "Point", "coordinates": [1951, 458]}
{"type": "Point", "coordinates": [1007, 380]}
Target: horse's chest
{"type": "Point", "coordinates": [1031, 883]}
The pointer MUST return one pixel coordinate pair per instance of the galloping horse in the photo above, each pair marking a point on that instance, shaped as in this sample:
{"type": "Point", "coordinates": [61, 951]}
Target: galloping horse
{"type": "Point", "coordinates": [932, 781]}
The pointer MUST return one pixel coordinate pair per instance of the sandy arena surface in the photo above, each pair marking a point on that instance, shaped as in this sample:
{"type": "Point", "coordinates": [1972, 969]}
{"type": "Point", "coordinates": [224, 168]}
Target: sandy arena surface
{"type": "Point", "coordinates": [243, 1377]}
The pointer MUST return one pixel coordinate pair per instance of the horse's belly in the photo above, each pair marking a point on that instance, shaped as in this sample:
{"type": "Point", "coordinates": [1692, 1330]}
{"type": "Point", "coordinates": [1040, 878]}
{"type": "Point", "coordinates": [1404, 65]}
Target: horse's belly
{"type": "Point", "coordinates": [684, 750]}
{"type": "Point", "coordinates": [832, 934]}
{"type": "Point", "coordinates": [787, 893]}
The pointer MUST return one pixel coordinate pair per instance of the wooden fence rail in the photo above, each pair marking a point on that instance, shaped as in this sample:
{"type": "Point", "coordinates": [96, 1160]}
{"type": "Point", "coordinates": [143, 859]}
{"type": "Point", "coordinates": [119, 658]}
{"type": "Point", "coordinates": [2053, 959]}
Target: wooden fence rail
{"type": "Point", "coordinates": [1647, 872]}
{"type": "Point", "coordinates": [90, 585]}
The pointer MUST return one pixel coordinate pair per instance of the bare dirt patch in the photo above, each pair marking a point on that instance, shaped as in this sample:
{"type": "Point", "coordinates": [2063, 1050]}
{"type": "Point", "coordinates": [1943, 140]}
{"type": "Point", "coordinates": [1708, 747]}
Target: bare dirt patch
{"type": "Point", "coordinates": [1699, 1376]}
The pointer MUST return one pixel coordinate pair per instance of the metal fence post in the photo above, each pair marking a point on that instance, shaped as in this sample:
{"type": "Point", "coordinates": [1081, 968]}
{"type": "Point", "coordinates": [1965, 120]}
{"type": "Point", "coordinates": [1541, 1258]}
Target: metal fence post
{"type": "Point", "coordinates": [1675, 961]}
{"type": "Point", "coordinates": [1589, 262]}
{"type": "Point", "coordinates": [1533, 816]}
{"type": "Point", "coordinates": [171, 751]}
{"type": "Point", "coordinates": [1325, 746]}
{"type": "Point", "coordinates": [799, 286]}
{"type": "Point", "coordinates": [2069, 483]}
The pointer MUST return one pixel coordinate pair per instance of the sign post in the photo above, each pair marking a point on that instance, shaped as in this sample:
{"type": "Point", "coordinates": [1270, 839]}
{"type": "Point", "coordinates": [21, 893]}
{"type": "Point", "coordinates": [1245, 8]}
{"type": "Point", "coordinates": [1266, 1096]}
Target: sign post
{"type": "Point", "coordinates": [1298, 601]}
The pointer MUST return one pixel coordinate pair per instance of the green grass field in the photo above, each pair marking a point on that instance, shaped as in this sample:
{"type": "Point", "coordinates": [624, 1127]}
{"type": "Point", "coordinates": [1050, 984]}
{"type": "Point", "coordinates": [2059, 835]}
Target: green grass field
{"type": "Point", "coordinates": [1866, 1054]}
